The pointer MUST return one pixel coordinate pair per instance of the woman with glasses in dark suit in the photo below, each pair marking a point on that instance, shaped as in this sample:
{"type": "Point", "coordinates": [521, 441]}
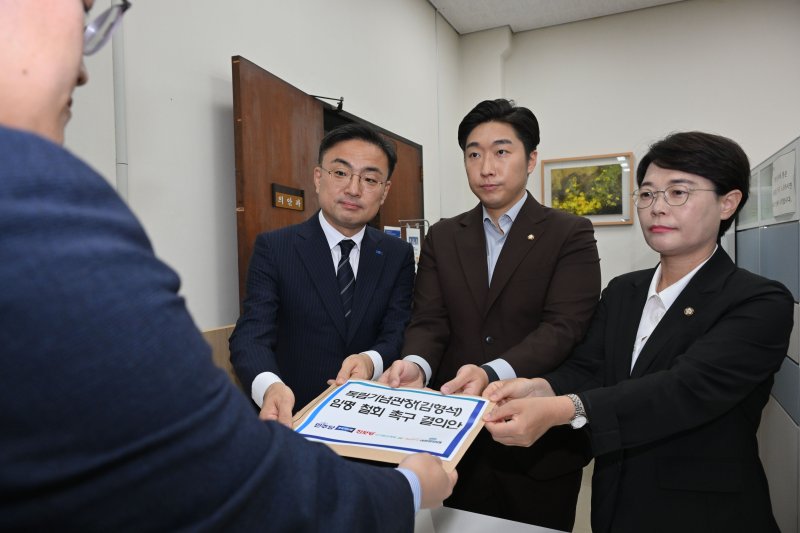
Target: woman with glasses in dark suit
{"type": "Point", "coordinates": [671, 378]}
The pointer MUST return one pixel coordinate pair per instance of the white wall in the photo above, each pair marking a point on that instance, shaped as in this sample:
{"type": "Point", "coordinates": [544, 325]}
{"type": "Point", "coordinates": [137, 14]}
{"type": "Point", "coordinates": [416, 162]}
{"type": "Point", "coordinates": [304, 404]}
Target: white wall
{"type": "Point", "coordinates": [449, 90]}
{"type": "Point", "coordinates": [617, 83]}
{"type": "Point", "coordinates": [480, 75]}
{"type": "Point", "coordinates": [382, 57]}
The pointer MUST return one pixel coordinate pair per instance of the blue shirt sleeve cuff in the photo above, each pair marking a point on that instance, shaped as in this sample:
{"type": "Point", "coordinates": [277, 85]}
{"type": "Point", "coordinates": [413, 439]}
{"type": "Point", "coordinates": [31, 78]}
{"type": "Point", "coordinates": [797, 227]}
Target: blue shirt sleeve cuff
{"type": "Point", "coordinates": [416, 490]}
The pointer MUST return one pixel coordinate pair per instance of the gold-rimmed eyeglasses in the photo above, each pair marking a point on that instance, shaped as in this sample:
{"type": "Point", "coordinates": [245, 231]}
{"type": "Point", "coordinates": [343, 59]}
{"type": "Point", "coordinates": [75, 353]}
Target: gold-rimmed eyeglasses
{"type": "Point", "coordinates": [97, 33]}
{"type": "Point", "coordinates": [674, 195]}
{"type": "Point", "coordinates": [370, 180]}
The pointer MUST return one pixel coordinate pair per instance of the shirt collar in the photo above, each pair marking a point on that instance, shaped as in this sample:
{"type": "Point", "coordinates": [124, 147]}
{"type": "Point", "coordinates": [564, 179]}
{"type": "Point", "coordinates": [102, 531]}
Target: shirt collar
{"type": "Point", "coordinates": [511, 213]}
{"type": "Point", "coordinates": [333, 236]}
{"type": "Point", "coordinates": [671, 293]}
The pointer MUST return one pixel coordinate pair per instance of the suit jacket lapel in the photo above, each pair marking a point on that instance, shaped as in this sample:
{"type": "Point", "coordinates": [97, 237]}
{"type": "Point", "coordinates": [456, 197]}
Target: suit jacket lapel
{"type": "Point", "coordinates": [521, 239]}
{"type": "Point", "coordinates": [370, 269]}
{"type": "Point", "coordinates": [628, 323]}
{"type": "Point", "coordinates": [688, 307]}
{"type": "Point", "coordinates": [312, 247]}
{"type": "Point", "coordinates": [471, 249]}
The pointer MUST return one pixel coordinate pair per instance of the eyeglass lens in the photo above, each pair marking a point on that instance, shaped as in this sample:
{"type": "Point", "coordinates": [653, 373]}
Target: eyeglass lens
{"type": "Point", "coordinates": [97, 33]}
{"type": "Point", "coordinates": [369, 180]}
{"type": "Point", "coordinates": [674, 196]}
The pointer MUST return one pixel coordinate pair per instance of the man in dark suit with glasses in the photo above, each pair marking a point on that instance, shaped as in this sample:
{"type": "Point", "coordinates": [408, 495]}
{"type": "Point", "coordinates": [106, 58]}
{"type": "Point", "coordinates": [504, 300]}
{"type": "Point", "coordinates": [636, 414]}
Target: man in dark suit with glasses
{"type": "Point", "coordinates": [330, 297]}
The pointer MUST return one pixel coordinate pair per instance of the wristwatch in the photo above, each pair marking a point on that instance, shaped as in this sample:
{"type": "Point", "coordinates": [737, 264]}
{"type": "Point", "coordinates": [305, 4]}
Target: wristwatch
{"type": "Point", "coordinates": [579, 419]}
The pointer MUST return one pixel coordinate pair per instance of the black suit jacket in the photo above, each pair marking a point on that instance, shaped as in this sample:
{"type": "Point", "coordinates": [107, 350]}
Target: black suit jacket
{"type": "Point", "coordinates": [545, 286]}
{"type": "Point", "coordinates": [675, 439]}
{"type": "Point", "coordinates": [293, 322]}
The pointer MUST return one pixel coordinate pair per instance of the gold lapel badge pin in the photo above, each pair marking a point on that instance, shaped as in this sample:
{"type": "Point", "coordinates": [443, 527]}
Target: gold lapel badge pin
{"type": "Point", "coordinates": [689, 311]}
{"type": "Point", "coordinates": [530, 236]}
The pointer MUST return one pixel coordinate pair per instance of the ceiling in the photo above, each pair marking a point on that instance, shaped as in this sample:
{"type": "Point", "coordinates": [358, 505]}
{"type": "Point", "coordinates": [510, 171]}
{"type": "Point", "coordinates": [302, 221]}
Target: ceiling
{"type": "Point", "coordinates": [467, 16]}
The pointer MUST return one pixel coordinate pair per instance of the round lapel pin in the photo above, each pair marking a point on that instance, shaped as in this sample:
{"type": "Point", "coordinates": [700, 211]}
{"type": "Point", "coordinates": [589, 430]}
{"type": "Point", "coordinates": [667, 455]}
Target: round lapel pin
{"type": "Point", "coordinates": [689, 311]}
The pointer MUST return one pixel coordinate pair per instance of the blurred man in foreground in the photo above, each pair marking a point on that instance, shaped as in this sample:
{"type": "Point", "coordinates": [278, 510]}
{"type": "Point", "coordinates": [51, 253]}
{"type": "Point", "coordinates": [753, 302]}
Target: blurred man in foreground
{"type": "Point", "coordinates": [113, 416]}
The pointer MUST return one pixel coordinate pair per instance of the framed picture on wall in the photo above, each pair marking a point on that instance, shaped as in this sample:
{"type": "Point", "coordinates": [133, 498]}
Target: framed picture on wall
{"type": "Point", "coordinates": [597, 187]}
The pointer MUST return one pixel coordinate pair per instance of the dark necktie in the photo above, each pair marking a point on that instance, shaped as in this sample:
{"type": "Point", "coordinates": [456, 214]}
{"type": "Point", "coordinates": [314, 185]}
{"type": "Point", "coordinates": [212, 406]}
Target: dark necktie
{"type": "Point", "coordinates": [346, 277]}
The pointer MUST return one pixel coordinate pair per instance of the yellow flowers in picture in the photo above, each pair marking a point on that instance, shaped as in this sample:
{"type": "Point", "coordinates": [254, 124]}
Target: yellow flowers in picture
{"type": "Point", "coordinates": [597, 187]}
{"type": "Point", "coordinates": [588, 190]}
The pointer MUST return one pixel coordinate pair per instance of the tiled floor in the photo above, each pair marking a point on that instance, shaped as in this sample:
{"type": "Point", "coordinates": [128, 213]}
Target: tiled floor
{"type": "Point", "coordinates": [584, 499]}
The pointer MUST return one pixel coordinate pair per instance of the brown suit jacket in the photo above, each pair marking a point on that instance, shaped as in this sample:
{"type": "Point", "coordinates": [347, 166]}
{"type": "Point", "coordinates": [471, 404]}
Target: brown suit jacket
{"type": "Point", "coordinates": [545, 287]}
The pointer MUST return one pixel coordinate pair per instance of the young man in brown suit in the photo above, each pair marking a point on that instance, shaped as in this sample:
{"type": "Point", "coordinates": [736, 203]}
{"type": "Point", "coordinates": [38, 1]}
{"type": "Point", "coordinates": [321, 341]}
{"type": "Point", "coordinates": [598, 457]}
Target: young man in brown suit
{"type": "Point", "coordinates": [504, 290]}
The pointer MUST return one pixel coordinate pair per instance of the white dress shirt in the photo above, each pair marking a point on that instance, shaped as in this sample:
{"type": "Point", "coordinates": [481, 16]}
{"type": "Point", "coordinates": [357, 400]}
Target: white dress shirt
{"type": "Point", "coordinates": [657, 305]}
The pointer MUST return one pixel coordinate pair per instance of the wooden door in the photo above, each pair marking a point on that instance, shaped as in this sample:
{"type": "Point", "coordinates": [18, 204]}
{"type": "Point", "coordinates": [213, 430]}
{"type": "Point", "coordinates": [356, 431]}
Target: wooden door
{"type": "Point", "coordinates": [277, 131]}
{"type": "Point", "coordinates": [405, 197]}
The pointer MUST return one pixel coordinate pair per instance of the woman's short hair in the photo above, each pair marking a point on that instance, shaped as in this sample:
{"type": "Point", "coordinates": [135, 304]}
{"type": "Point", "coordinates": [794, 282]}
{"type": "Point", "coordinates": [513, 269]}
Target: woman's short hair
{"type": "Point", "coordinates": [716, 158]}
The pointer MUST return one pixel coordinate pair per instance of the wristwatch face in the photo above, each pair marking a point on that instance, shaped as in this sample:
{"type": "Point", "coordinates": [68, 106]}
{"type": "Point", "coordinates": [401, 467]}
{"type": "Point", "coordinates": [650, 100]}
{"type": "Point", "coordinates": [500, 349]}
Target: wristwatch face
{"type": "Point", "coordinates": [578, 422]}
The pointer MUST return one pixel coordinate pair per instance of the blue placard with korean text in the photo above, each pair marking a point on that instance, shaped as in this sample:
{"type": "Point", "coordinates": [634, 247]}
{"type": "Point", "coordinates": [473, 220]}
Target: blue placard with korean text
{"type": "Point", "coordinates": [373, 415]}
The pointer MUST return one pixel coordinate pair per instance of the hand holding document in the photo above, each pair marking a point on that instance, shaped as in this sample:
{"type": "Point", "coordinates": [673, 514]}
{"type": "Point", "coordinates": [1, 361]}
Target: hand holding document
{"type": "Point", "coordinates": [525, 410]}
{"type": "Point", "coordinates": [369, 420]}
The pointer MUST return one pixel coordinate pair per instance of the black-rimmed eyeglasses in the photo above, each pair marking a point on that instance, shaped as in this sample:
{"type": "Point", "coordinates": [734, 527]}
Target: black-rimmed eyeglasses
{"type": "Point", "coordinates": [674, 195]}
{"type": "Point", "coordinates": [97, 32]}
{"type": "Point", "coordinates": [370, 180]}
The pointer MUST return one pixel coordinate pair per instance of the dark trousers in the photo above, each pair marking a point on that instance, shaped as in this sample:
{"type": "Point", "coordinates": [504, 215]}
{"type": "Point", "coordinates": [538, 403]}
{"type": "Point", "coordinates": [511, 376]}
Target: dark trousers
{"type": "Point", "coordinates": [500, 481]}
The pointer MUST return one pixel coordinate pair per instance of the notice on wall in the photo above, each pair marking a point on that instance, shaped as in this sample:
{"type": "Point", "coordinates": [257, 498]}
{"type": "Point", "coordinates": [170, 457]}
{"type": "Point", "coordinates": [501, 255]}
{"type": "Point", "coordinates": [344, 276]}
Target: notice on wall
{"type": "Point", "coordinates": [784, 192]}
{"type": "Point", "coordinates": [369, 420]}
